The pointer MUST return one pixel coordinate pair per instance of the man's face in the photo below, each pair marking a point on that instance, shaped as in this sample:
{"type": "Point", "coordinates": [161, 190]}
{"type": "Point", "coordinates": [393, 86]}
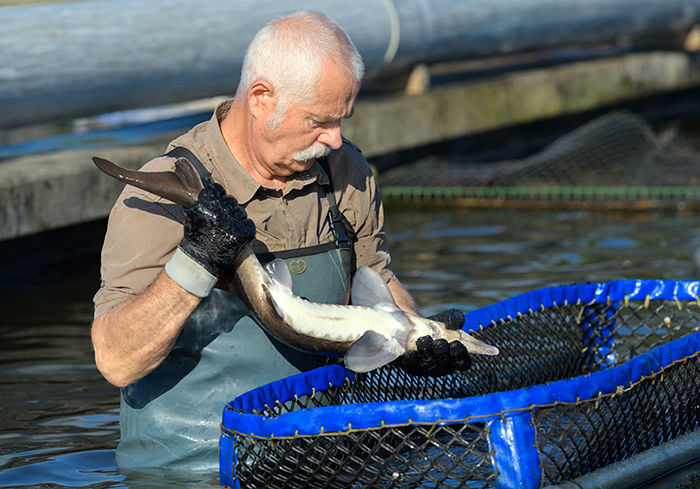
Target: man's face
{"type": "Point", "coordinates": [308, 131]}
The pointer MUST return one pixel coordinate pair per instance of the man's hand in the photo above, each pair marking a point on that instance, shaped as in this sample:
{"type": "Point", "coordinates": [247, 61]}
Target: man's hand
{"type": "Point", "coordinates": [216, 230]}
{"type": "Point", "coordinates": [435, 358]}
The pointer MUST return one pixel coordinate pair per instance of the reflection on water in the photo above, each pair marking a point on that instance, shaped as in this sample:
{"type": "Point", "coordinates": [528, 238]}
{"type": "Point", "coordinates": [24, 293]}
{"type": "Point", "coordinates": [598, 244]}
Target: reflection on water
{"type": "Point", "coordinates": [470, 258]}
{"type": "Point", "coordinates": [58, 417]}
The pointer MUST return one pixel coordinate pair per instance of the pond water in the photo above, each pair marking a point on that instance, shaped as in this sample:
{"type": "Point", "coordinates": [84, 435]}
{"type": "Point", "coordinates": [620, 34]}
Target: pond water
{"type": "Point", "coordinates": [58, 417]}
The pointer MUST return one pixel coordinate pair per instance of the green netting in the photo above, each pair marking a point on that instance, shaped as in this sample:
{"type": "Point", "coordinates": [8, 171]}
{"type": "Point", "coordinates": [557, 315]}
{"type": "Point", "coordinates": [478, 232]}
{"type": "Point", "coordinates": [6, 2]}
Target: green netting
{"type": "Point", "coordinates": [616, 161]}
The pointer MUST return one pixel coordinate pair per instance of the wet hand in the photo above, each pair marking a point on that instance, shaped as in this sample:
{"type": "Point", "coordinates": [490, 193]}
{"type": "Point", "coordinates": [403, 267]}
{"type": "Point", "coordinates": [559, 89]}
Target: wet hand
{"type": "Point", "coordinates": [215, 231]}
{"type": "Point", "coordinates": [435, 358]}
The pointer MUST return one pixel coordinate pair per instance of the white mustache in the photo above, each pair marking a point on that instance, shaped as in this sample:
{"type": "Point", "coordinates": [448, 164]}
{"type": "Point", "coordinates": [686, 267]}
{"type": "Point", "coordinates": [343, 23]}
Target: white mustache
{"type": "Point", "coordinates": [316, 150]}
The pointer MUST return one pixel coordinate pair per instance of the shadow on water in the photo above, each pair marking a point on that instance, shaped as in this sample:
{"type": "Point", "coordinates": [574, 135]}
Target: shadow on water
{"type": "Point", "coordinates": [58, 417]}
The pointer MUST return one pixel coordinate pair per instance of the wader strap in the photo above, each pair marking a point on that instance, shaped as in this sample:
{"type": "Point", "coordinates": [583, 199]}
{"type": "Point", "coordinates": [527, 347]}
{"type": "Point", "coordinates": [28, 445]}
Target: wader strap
{"type": "Point", "coordinates": [180, 152]}
{"type": "Point", "coordinates": [342, 229]}
{"type": "Point", "coordinates": [344, 233]}
{"type": "Point", "coordinates": [268, 256]}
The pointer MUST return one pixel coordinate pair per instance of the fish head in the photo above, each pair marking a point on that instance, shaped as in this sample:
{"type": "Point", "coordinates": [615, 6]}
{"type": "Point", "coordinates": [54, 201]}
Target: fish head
{"type": "Point", "coordinates": [437, 330]}
{"type": "Point", "coordinates": [421, 327]}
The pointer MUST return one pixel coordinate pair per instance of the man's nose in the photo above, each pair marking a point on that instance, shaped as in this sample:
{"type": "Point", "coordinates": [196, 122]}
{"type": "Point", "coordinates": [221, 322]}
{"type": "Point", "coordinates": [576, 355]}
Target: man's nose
{"type": "Point", "coordinates": [331, 136]}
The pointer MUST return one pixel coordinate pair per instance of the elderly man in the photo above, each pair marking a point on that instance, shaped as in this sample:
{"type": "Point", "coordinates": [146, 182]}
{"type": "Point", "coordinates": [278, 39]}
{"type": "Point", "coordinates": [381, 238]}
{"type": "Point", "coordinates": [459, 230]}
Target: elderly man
{"type": "Point", "coordinates": [178, 347]}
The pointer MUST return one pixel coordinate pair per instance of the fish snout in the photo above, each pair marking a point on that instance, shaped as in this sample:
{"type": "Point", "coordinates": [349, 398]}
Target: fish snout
{"type": "Point", "coordinates": [437, 330]}
{"type": "Point", "coordinates": [475, 346]}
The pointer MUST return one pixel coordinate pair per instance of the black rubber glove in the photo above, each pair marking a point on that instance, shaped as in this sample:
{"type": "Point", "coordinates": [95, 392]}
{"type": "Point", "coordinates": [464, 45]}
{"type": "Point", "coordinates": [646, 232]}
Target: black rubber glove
{"type": "Point", "coordinates": [435, 358]}
{"type": "Point", "coordinates": [216, 230]}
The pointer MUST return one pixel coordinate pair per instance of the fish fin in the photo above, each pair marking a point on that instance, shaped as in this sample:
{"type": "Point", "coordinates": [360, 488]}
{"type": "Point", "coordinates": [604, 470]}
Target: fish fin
{"type": "Point", "coordinates": [188, 177]}
{"type": "Point", "coordinates": [369, 352]}
{"type": "Point", "coordinates": [370, 290]}
{"type": "Point", "coordinates": [279, 271]}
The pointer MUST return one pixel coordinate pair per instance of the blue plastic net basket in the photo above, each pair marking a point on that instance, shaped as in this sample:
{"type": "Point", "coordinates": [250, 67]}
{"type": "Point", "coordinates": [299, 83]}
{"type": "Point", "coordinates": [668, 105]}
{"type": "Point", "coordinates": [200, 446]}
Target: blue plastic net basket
{"type": "Point", "coordinates": [588, 375]}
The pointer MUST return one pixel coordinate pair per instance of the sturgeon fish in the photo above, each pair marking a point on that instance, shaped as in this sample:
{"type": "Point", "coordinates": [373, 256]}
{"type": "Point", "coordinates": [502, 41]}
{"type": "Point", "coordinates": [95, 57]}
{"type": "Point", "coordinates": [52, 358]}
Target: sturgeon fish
{"type": "Point", "coordinates": [370, 333]}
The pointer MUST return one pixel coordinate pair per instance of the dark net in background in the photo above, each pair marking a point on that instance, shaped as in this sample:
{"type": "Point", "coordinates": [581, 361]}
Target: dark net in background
{"type": "Point", "coordinates": [541, 346]}
{"type": "Point", "coordinates": [616, 160]}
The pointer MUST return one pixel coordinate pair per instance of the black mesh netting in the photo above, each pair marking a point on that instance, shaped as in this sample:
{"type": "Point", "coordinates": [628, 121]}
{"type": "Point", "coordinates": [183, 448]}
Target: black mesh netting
{"type": "Point", "coordinates": [617, 157]}
{"type": "Point", "coordinates": [542, 346]}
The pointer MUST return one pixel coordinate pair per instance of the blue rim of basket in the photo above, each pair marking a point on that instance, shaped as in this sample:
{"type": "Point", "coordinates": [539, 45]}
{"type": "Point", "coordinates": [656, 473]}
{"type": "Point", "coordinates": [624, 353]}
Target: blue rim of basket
{"type": "Point", "coordinates": [363, 416]}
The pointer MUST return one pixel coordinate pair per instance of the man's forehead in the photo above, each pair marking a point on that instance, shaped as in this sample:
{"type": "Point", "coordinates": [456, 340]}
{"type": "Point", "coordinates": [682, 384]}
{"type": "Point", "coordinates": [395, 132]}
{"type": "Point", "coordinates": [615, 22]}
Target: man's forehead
{"type": "Point", "coordinates": [321, 115]}
{"type": "Point", "coordinates": [334, 102]}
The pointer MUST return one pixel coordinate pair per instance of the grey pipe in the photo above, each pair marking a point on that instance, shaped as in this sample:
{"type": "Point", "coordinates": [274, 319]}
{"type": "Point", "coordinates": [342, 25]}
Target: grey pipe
{"type": "Point", "coordinates": [72, 59]}
{"type": "Point", "coordinates": [642, 467]}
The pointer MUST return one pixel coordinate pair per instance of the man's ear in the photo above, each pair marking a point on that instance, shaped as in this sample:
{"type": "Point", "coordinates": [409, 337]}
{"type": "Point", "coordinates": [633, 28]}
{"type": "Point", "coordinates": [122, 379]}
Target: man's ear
{"type": "Point", "coordinates": [261, 98]}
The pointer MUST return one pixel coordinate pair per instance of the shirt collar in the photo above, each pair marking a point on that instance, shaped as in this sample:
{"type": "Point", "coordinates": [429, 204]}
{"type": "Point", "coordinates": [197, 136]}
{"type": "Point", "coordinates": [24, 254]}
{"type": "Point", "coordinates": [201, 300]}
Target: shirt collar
{"type": "Point", "coordinates": [300, 180]}
{"type": "Point", "coordinates": [320, 173]}
{"type": "Point", "coordinates": [236, 180]}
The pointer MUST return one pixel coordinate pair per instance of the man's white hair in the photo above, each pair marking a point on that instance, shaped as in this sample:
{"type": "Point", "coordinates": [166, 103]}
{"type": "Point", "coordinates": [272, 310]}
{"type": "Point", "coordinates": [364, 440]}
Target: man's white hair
{"type": "Point", "coordinates": [290, 51]}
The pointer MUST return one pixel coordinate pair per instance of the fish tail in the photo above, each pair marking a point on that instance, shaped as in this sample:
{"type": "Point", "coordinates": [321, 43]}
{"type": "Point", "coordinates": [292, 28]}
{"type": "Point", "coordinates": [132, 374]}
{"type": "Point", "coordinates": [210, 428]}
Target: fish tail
{"type": "Point", "coordinates": [181, 186]}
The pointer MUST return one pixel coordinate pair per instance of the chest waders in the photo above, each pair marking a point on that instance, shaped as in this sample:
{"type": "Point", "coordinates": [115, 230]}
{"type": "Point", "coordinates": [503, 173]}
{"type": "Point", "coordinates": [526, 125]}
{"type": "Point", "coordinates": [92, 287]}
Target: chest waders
{"type": "Point", "coordinates": [171, 418]}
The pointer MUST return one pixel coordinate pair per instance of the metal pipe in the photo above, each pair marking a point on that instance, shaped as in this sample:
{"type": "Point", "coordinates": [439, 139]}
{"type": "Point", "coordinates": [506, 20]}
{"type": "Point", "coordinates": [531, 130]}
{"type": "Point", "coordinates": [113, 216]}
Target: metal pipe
{"type": "Point", "coordinates": [71, 59]}
{"type": "Point", "coordinates": [642, 467]}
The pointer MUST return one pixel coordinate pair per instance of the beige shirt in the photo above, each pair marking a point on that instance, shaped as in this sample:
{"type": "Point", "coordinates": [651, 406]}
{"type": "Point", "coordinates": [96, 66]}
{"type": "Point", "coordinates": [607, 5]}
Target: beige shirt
{"type": "Point", "coordinates": [144, 230]}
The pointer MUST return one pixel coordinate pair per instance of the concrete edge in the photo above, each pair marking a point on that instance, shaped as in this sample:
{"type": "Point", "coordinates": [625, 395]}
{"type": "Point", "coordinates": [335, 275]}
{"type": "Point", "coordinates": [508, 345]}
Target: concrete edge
{"type": "Point", "coordinates": [49, 191]}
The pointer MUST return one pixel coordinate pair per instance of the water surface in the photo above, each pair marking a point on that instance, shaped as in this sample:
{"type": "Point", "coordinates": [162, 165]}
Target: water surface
{"type": "Point", "coordinates": [58, 417]}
